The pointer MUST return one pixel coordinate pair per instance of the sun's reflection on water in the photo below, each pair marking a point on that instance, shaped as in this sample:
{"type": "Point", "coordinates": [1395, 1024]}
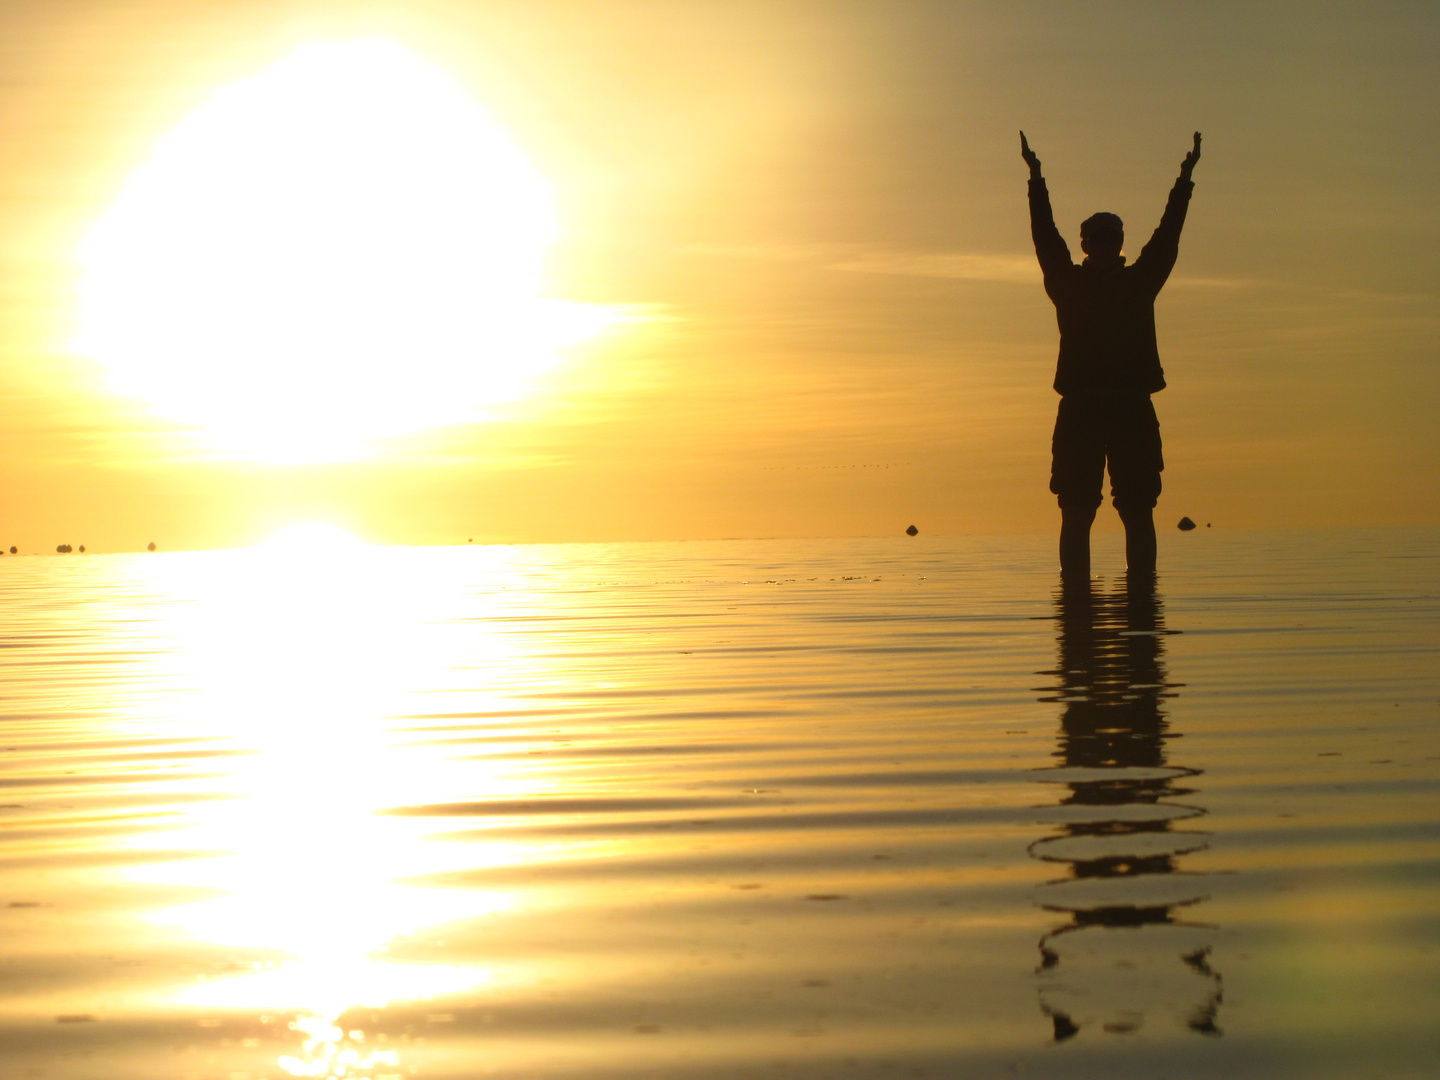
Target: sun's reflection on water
{"type": "Point", "coordinates": [332, 1051]}
{"type": "Point", "coordinates": [303, 654]}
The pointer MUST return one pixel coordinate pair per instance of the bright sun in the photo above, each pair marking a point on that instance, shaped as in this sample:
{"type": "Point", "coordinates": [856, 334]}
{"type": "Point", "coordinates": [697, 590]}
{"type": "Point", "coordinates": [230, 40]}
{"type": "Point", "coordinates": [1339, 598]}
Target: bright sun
{"type": "Point", "coordinates": [341, 249]}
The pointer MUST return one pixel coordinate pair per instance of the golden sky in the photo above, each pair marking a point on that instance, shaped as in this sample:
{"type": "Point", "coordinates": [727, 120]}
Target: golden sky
{"type": "Point", "coordinates": [806, 225]}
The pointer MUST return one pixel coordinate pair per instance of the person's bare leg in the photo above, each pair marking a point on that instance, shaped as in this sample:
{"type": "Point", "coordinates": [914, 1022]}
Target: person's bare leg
{"type": "Point", "coordinates": [1139, 539]}
{"type": "Point", "coordinates": [1075, 543]}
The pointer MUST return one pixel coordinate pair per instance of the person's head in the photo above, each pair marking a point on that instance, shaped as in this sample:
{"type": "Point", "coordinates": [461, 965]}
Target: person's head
{"type": "Point", "coordinates": [1102, 236]}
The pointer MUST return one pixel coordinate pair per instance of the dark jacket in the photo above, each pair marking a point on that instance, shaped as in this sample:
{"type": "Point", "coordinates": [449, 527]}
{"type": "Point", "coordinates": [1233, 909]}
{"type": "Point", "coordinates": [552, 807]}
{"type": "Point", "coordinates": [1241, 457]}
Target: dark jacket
{"type": "Point", "coordinates": [1107, 316]}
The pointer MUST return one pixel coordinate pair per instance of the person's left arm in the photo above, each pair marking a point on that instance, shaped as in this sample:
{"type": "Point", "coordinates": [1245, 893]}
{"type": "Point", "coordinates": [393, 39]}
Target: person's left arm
{"type": "Point", "coordinates": [1157, 258]}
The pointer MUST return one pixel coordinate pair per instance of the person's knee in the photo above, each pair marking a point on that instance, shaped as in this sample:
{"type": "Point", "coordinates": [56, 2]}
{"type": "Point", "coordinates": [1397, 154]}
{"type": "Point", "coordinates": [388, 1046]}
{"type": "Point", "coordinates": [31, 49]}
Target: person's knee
{"type": "Point", "coordinates": [1072, 520]}
{"type": "Point", "coordinates": [1132, 506]}
{"type": "Point", "coordinates": [1079, 503]}
{"type": "Point", "coordinates": [1138, 494]}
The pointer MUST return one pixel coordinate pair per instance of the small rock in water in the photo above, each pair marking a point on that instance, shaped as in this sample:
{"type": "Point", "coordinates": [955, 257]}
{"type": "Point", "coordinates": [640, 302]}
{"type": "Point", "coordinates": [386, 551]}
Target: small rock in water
{"type": "Point", "coordinates": [1186, 524]}
{"type": "Point", "coordinates": [150, 546]}
{"type": "Point", "coordinates": [911, 531]}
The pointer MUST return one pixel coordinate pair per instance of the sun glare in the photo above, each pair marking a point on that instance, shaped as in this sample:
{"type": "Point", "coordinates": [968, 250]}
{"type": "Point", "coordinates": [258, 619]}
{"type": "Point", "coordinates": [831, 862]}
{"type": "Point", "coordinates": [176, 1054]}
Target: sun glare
{"type": "Point", "coordinates": [307, 536]}
{"type": "Point", "coordinates": [342, 249]}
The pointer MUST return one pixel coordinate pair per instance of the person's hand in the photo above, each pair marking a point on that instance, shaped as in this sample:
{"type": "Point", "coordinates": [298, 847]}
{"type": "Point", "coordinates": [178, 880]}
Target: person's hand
{"type": "Point", "coordinates": [1034, 162]}
{"type": "Point", "coordinates": [1188, 165]}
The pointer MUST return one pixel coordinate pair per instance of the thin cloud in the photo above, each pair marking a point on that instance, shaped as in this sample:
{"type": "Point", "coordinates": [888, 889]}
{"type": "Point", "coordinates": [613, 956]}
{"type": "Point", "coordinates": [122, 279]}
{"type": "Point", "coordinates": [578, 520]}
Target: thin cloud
{"type": "Point", "coordinates": [1018, 269]}
{"type": "Point", "coordinates": [768, 252]}
{"type": "Point", "coordinates": [1187, 281]}
{"type": "Point", "coordinates": [856, 259]}
{"type": "Point", "coordinates": [955, 265]}
{"type": "Point", "coordinates": [965, 266]}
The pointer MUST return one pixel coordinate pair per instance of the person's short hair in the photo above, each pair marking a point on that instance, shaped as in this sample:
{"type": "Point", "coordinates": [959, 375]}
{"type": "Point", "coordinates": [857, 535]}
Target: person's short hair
{"type": "Point", "coordinates": [1101, 224]}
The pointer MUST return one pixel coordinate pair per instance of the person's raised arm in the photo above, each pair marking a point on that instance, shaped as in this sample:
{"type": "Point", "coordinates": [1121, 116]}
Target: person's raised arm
{"type": "Point", "coordinates": [1030, 159]}
{"type": "Point", "coordinates": [1158, 256]}
{"type": "Point", "coordinates": [1188, 165]}
{"type": "Point", "coordinates": [1050, 246]}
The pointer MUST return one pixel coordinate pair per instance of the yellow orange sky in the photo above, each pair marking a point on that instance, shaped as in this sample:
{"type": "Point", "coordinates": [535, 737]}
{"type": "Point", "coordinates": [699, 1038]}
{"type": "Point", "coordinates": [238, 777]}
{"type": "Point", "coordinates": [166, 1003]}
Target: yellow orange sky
{"type": "Point", "coordinates": [812, 216]}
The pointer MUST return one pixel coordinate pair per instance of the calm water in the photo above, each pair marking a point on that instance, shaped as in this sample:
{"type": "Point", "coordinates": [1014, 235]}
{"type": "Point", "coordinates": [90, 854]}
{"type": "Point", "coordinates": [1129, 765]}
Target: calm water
{"type": "Point", "coordinates": [744, 809]}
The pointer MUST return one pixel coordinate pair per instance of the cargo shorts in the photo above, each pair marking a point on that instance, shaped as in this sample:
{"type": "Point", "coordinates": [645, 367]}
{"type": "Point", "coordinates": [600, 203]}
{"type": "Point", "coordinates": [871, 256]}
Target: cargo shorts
{"type": "Point", "coordinates": [1097, 429]}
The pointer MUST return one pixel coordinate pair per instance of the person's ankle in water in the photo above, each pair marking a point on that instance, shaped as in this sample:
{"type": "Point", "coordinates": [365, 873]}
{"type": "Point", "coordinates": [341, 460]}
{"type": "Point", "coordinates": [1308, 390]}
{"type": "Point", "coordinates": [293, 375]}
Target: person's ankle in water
{"type": "Point", "coordinates": [1139, 539]}
{"type": "Point", "coordinates": [1075, 543]}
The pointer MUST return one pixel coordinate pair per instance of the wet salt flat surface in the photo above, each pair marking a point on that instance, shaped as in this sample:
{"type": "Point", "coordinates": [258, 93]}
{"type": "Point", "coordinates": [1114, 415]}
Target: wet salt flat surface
{"type": "Point", "coordinates": [863, 808]}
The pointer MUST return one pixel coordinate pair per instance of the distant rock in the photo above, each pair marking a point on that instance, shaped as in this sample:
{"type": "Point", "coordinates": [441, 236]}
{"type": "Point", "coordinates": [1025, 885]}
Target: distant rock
{"type": "Point", "coordinates": [64, 549]}
{"type": "Point", "coordinates": [82, 549]}
{"type": "Point", "coordinates": [1186, 524]}
{"type": "Point", "coordinates": [912, 531]}
{"type": "Point", "coordinates": [150, 546]}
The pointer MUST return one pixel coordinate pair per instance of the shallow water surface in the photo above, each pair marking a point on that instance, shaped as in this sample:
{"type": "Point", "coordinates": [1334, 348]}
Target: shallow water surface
{"type": "Point", "coordinates": [742, 809]}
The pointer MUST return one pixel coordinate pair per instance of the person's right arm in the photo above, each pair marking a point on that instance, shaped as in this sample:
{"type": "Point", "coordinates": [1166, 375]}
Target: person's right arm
{"type": "Point", "coordinates": [1050, 247]}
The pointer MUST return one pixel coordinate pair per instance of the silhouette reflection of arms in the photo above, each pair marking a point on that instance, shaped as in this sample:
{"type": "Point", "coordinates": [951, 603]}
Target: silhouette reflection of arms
{"type": "Point", "coordinates": [1050, 247]}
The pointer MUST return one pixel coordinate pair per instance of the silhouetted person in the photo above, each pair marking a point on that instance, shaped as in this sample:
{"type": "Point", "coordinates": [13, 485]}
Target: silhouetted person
{"type": "Point", "coordinates": [1109, 366]}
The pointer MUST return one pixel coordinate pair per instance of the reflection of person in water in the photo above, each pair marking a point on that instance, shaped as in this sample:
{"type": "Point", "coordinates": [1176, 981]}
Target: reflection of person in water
{"type": "Point", "coordinates": [1109, 366]}
{"type": "Point", "coordinates": [1124, 893]}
